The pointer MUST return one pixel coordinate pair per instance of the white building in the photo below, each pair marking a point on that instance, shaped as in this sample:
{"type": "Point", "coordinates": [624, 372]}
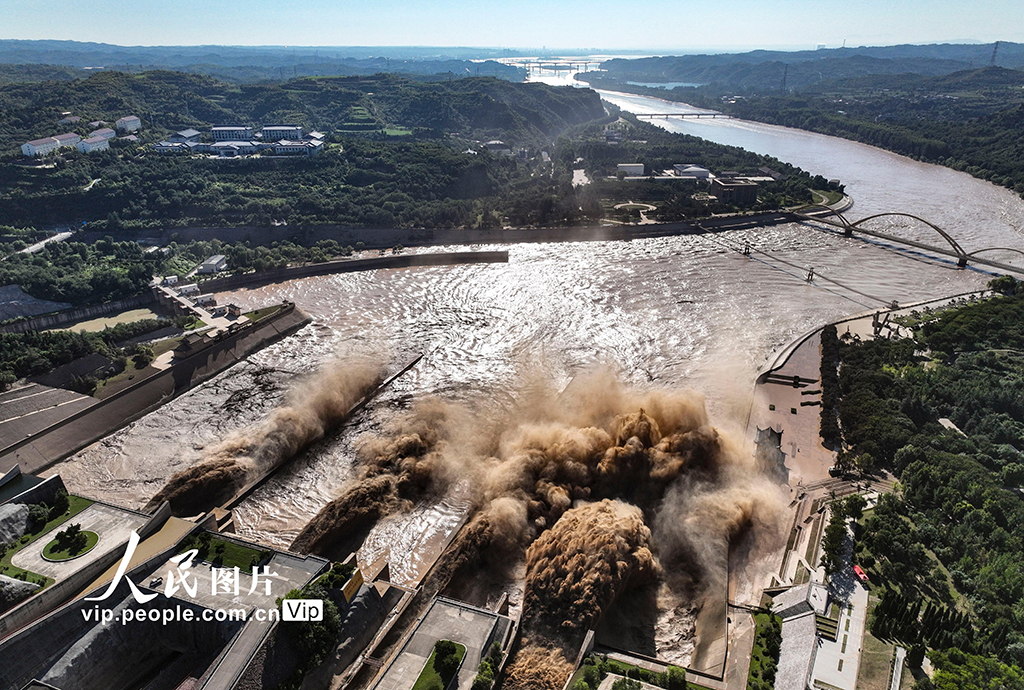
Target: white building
{"type": "Point", "coordinates": [278, 132]}
{"type": "Point", "coordinates": [190, 289]}
{"type": "Point", "coordinates": [691, 170]}
{"type": "Point", "coordinates": [128, 123]}
{"type": "Point", "coordinates": [106, 133]}
{"type": "Point", "coordinates": [631, 169]}
{"type": "Point", "coordinates": [298, 148]}
{"type": "Point", "coordinates": [68, 140]}
{"type": "Point", "coordinates": [94, 144]}
{"type": "Point", "coordinates": [231, 133]}
{"type": "Point", "coordinates": [185, 136]}
{"type": "Point", "coordinates": [206, 301]}
{"type": "Point", "coordinates": [498, 146]}
{"type": "Point", "coordinates": [229, 149]}
{"type": "Point", "coordinates": [40, 147]}
{"type": "Point", "coordinates": [214, 264]}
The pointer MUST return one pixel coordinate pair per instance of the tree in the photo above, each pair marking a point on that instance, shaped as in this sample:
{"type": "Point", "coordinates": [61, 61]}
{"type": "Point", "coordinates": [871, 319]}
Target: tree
{"type": "Point", "coordinates": [833, 545]}
{"type": "Point", "coordinates": [60, 504]}
{"type": "Point", "coordinates": [72, 539]}
{"type": "Point", "coordinates": [446, 658]}
{"type": "Point", "coordinates": [855, 504]}
{"type": "Point", "coordinates": [1013, 474]}
{"type": "Point", "coordinates": [865, 463]}
{"type": "Point", "coordinates": [626, 684]}
{"type": "Point", "coordinates": [312, 640]}
{"type": "Point", "coordinates": [38, 515]}
{"type": "Point", "coordinates": [675, 678]}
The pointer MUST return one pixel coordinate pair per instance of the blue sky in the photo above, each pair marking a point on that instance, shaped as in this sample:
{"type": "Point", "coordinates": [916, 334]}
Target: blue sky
{"type": "Point", "coordinates": [623, 24]}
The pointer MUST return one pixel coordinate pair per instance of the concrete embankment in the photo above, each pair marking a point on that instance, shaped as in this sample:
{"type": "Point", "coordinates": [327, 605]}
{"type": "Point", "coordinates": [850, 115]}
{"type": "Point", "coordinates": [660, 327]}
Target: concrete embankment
{"type": "Point", "coordinates": [61, 318]}
{"type": "Point", "coordinates": [70, 435]}
{"type": "Point", "coordinates": [281, 275]}
{"type": "Point", "coordinates": [382, 238]}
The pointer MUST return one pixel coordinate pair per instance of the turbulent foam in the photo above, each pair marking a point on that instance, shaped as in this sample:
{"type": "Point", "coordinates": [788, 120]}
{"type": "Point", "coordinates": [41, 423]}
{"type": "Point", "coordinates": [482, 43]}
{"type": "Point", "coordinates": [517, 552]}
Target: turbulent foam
{"type": "Point", "coordinates": [314, 407]}
{"type": "Point", "coordinates": [549, 481]}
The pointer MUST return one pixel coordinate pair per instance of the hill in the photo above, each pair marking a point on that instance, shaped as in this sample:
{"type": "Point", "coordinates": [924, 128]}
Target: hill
{"type": "Point", "coordinates": [170, 101]}
{"type": "Point", "coordinates": [761, 71]}
{"type": "Point", "coordinates": [260, 63]}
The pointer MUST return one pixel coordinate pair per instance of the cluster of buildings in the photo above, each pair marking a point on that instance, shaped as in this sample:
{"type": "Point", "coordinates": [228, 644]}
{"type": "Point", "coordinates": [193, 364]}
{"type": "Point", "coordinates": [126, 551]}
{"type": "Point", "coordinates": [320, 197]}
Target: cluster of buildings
{"type": "Point", "coordinates": [229, 141]}
{"type": "Point", "coordinates": [189, 295]}
{"type": "Point", "coordinates": [97, 140]}
{"type": "Point", "coordinates": [729, 187]}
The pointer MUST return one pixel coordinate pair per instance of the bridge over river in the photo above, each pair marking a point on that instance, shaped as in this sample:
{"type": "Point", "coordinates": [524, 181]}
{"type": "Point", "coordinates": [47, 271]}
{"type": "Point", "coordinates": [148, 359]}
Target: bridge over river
{"type": "Point", "coordinates": [692, 116]}
{"type": "Point", "coordinates": [828, 216]}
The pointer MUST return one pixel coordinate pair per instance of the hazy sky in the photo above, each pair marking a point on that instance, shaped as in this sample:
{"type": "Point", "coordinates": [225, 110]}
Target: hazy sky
{"type": "Point", "coordinates": [622, 24]}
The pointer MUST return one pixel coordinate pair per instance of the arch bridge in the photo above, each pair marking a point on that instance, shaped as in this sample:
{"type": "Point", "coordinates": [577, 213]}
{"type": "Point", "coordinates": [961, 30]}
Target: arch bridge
{"type": "Point", "coordinates": [825, 214]}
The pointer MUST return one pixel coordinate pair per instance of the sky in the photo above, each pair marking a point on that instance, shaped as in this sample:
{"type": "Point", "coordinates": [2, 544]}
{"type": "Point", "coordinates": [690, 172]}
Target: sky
{"type": "Point", "coordinates": [656, 25]}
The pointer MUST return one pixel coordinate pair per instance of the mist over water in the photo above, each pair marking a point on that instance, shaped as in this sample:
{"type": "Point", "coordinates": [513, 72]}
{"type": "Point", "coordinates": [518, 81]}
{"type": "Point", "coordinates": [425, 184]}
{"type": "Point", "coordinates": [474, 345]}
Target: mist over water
{"type": "Point", "coordinates": [670, 313]}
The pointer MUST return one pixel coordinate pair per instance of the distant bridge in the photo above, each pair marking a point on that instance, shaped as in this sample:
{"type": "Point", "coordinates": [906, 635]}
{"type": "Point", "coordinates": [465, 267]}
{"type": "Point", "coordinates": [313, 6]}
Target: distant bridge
{"type": "Point", "coordinates": [696, 116]}
{"type": "Point", "coordinates": [829, 216]}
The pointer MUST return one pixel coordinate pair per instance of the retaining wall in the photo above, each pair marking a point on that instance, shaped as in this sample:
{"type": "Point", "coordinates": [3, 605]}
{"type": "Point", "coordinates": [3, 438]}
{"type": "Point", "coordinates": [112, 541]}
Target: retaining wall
{"type": "Point", "coordinates": [60, 318]}
{"type": "Point", "coordinates": [43, 492]}
{"type": "Point", "coordinates": [381, 238]}
{"type": "Point", "coordinates": [281, 275]}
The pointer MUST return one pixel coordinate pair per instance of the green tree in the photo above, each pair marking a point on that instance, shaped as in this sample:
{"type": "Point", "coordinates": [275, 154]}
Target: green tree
{"type": "Point", "coordinates": [446, 658]}
{"type": "Point", "coordinates": [834, 542]}
{"type": "Point", "coordinates": [675, 678]}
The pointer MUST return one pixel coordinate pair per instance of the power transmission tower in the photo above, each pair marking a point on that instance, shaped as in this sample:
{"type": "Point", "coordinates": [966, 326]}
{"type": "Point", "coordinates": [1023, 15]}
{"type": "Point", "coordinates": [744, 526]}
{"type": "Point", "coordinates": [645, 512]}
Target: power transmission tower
{"type": "Point", "coordinates": [995, 49]}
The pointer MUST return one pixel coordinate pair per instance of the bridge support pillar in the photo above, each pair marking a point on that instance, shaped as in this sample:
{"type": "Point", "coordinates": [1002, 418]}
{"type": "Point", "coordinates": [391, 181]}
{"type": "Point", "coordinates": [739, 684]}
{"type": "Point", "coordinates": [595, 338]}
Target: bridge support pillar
{"type": "Point", "coordinates": [962, 262]}
{"type": "Point", "coordinates": [848, 232]}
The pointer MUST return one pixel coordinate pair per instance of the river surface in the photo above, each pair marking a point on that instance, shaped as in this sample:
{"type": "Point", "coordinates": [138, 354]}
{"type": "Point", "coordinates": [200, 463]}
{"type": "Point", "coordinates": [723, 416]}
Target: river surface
{"type": "Point", "coordinates": [678, 312]}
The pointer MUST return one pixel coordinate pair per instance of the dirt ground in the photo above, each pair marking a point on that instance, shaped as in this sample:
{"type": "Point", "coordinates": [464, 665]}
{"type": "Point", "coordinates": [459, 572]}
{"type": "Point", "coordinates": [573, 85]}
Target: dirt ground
{"type": "Point", "coordinates": [98, 324]}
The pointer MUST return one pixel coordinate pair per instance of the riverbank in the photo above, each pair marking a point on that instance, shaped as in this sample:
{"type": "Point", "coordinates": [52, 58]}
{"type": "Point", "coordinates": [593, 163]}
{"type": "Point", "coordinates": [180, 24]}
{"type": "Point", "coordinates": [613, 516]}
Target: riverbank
{"type": "Point", "coordinates": [280, 275]}
{"type": "Point", "coordinates": [386, 238]}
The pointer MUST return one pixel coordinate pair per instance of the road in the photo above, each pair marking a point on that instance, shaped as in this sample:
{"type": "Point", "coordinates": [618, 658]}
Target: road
{"type": "Point", "coordinates": [59, 237]}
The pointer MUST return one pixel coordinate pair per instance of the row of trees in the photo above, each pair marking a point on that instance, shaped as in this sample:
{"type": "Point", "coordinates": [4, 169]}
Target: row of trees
{"type": "Point", "coordinates": [596, 668]}
{"type": "Point", "coordinates": [830, 433]}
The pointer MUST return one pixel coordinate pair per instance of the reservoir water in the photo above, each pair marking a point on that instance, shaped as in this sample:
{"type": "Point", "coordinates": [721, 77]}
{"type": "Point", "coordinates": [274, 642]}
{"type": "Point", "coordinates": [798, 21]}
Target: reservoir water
{"type": "Point", "coordinates": [672, 312]}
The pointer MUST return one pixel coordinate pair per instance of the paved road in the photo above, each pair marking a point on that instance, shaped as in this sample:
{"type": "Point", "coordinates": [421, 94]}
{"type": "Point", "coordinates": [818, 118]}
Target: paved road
{"type": "Point", "coordinates": [59, 237]}
{"type": "Point", "coordinates": [897, 671]}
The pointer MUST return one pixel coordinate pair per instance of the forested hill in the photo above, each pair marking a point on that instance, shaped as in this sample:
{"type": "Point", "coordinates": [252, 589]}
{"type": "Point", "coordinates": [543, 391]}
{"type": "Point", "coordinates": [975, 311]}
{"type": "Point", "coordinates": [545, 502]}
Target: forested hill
{"type": "Point", "coordinates": [255, 63]}
{"type": "Point", "coordinates": [168, 101]}
{"type": "Point", "coordinates": [761, 70]}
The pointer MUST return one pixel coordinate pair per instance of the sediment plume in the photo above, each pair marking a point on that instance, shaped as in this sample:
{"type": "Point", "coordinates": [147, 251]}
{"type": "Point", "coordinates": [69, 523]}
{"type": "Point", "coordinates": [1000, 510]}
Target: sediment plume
{"type": "Point", "coordinates": [394, 472]}
{"type": "Point", "coordinates": [551, 483]}
{"type": "Point", "coordinates": [699, 525]}
{"type": "Point", "coordinates": [314, 407]}
{"type": "Point", "coordinates": [574, 571]}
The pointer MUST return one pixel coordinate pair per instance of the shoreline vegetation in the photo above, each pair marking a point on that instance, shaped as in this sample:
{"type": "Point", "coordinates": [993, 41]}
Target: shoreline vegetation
{"type": "Point", "coordinates": [941, 410]}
